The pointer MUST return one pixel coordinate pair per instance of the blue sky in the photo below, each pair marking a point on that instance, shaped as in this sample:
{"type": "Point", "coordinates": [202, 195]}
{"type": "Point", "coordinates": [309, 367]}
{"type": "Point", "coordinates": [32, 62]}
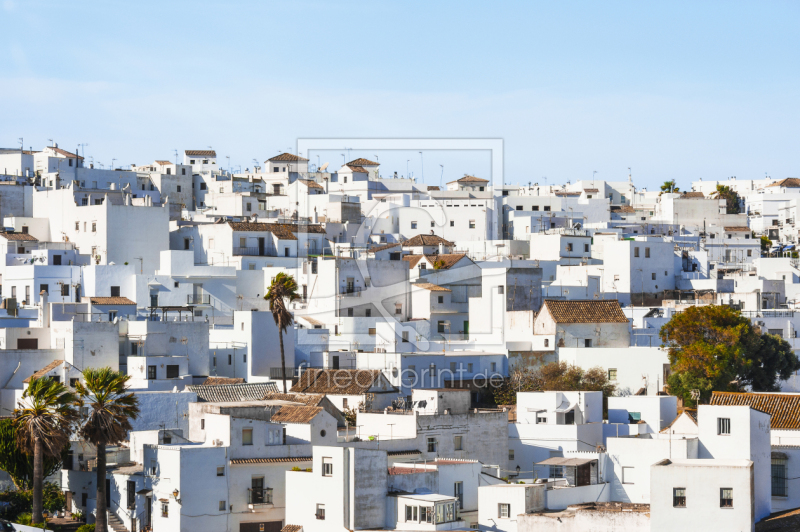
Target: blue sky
{"type": "Point", "coordinates": [678, 90]}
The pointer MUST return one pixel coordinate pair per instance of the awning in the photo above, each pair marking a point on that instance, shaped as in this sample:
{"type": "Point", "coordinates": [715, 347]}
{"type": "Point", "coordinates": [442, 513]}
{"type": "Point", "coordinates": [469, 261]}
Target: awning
{"type": "Point", "coordinates": [790, 246]}
{"type": "Point", "coordinates": [144, 492]}
{"type": "Point", "coordinates": [569, 406]}
{"type": "Point", "coordinates": [560, 461]}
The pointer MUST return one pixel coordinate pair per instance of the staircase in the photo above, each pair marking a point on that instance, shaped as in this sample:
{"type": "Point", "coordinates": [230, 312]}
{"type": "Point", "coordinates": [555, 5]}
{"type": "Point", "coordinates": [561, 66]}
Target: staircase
{"type": "Point", "coordinates": [115, 524]}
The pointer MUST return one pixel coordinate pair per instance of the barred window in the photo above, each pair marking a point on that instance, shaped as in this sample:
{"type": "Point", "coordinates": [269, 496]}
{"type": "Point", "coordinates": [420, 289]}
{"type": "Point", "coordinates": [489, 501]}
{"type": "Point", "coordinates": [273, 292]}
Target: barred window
{"type": "Point", "coordinates": [726, 497]}
{"type": "Point", "coordinates": [679, 497]}
{"type": "Point", "coordinates": [780, 484]}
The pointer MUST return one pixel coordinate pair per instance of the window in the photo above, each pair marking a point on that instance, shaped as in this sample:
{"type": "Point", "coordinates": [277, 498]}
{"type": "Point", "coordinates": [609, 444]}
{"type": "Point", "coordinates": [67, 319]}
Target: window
{"type": "Point", "coordinates": [653, 275]}
{"type": "Point", "coordinates": [452, 223]}
{"type": "Point", "coordinates": [547, 342]}
{"type": "Point", "coordinates": [635, 252]}
{"type": "Point", "coordinates": [679, 497]}
{"type": "Point", "coordinates": [587, 342]}
{"type": "Point", "coordinates": [320, 511]}
{"type": "Point", "coordinates": [627, 475]}
{"type": "Point", "coordinates": [494, 367]}
{"type": "Point", "coordinates": [112, 315]}
{"type": "Point", "coordinates": [164, 509]}
{"type": "Point", "coordinates": [433, 224]}
{"type": "Point", "coordinates": [749, 252]}
{"type": "Point", "coordinates": [172, 371]}
{"type": "Point", "coordinates": [586, 248]}
{"type": "Point", "coordinates": [411, 513]}
{"type": "Point", "coordinates": [433, 445]}
{"type": "Point", "coordinates": [64, 290]}
{"type": "Point", "coordinates": [569, 246]}
{"type": "Point", "coordinates": [167, 439]}
{"type": "Point", "coordinates": [372, 331]}
{"type": "Point", "coordinates": [511, 454]}
{"type": "Point", "coordinates": [458, 443]}
{"type": "Point", "coordinates": [541, 418]}
{"type": "Point", "coordinates": [350, 312]}
{"type": "Point", "coordinates": [503, 510]}
{"type": "Point", "coordinates": [230, 360]}
{"type": "Point", "coordinates": [472, 224]}
{"type": "Point", "coordinates": [221, 506]}
{"type": "Point", "coordinates": [547, 207]}
{"type": "Point", "coordinates": [247, 436]}
{"type": "Point", "coordinates": [500, 289]}
{"type": "Point", "coordinates": [440, 327]}
{"type": "Point", "coordinates": [368, 313]}
{"type": "Point", "coordinates": [413, 225]}
{"type": "Point", "coordinates": [94, 227]}
{"type": "Point", "coordinates": [203, 186]}
{"type": "Point", "coordinates": [440, 299]}
{"type": "Point", "coordinates": [77, 226]}
{"type": "Point", "coordinates": [327, 467]}
{"type": "Point", "coordinates": [723, 425]}
{"type": "Point", "coordinates": [535, 208]}
{"type": "Point", "coordinates": [151, 372]}
{"type": "Point", "coordinates": [469, 367]}
{"type": "Point", "coordinates": [612, 374]}
{"type": "Point", "coordinates": [405, 336]}
{"type": "Point", "coordinates": [780, 486]}
{"type": "Point", "coordinates": [73, 382]}
{"type": "Point", "coordinates": [726, 497]}
{"type": "Point", "coordinates": [398, 308]}
{"type": "Point", "coordinates": [115, 291]}
{"type": "Point", "coordinates": [44, 288]}
{"type": "Point", "coordinates": [647, 253]}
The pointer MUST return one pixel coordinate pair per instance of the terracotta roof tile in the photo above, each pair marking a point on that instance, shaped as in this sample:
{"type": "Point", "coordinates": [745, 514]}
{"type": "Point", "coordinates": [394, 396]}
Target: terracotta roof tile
{"type": "Point", "coordinates": [426, 240]}
{"type": "Point", "coordinates": [216, 381]}
{"type": "Point", "coordinates": [470, 179]}
{"type": "Point", "coordinates": [741, 229]}
{"type": "Point", "coordinates": [296, 414]}
{"type": "Point", "coordinates": [403, 453]}
{"type": "Point", "coordinates": [287, 157]}
{"type": "Point", "coordinates": [291, 528]}
{"type": "Point", "coordinates": [567, 194]}
{"type": "Point", "coordinates": [381, 248]}
{"type": "Point", "coordinates": [622, 209]}
{"type": "Point", "coordinates": [308, 399]}
{"type": "Point", "coordinates": [586, 311]}
{"type": "Point", "coordinates": [358, 169]}
{"type": "Point", "coordinates": [591, 190]}
{"type": "Point", "coordinates": [408, 470]}
{"type": "Point", "coordinates": [230, 393]}
{"type": "Point", "coordinates": [363, 162]}
{"type": "Point", "coordinates": [449, 259]}
{"type": "Point", "coordinates": [311, 184]}
{"type": "Point", "coordinates": [433, 187]}
{"type": "Point", "coordinates": [111, 301]}
{"type": "Point", "coordinates": [412, 260]}
{"type": "Point", "coordinates": [690, 195]}
{"type": "Point", "coordinates": [432, 287]}
{"type": "Point", "coordinates": [163, 163]}
{"type": "Point", "coordinates": [65, 153]}
{"type": "Point", "coordinates": [789, 182]}
{"type": "Point", "coordinates": [51, 366]}
{"type": "Point", "coordinates": [784, 408]}
{"type": "Point", "coordinates": [19, 237]}
{"type": "Point", "coordinates": [337, 381]}
{"type": "Point", "coordinates": [241, 461]}
{"type": "Point", "coordinates": [200, 153]}
{"type": "Point", "coordinates": [282, 231]}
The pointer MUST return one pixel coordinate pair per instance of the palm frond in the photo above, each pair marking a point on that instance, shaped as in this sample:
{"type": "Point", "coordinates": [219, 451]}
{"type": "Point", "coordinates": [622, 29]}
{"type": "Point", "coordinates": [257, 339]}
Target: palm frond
{"type": "Point", "coordinates": [111, 407]}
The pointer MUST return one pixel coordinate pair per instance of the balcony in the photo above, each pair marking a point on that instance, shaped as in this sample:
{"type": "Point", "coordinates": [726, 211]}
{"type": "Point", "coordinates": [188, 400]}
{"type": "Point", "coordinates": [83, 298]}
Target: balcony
{"type": "Point", "coordinates": [351, 292]}
{"type": "Point", "coordinates": [259, 496]}
{"type": "Point", "coordinates": [251, 252]}
{"type": "Point", "coordinates": [200, 299]}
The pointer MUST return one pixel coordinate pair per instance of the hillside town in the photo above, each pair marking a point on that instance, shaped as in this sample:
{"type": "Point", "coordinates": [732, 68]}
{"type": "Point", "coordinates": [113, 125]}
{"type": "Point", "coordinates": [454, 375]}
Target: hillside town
{"type": "Point", "coordinates": [294, 347]}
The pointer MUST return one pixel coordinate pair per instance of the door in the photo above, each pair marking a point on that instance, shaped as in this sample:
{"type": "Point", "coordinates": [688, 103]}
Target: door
{"type": "Point", "coordinates": [458, 492]}
{"type": "Point", "coordinates": [350, 285]}
{"type": "Point", "coordinates": [56, 260]}
{"type": "Point", "coordinates": [108, 493]}
{"type": "Point", "coordinates": [149, 511]}
{"type": "Point", "coordinates": [261, 246]}
{"type": "Point", "coordinates": [27, 343]}
{"type": "Point", "coordinates": [68, 465]}
{"type": "Point", "coordinates": [466, 330]}
{"type": "Point", "coordinates": [305, 292]}
{"type": "Point", "coordinates": [257, 490]}
{"type": "Point", "coordinates": [263, 526]}
{"type": "Point", "coordinates": [153, 300]}
{"type": "Point", "coordinates": [583, 475]}
{"type": "Point", "coordinates": [197, 293]}
{"type": "Point", "coordinates": [68, 497]}
{"type": "Point", "coordinates": [335, 362]}
{"type": "Point", "coordinates": [131, 494]}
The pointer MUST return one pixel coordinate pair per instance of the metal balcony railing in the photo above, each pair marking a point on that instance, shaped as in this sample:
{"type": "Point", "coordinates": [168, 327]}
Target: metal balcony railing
{"type": "Point", "coordinates": [250, 252]}
{"type": "Point", "coordinates": [259, 496]}
{"type": "Point", "coordinates": [351, 292]}
{"type": "Point", "coordinates": [201, 299]}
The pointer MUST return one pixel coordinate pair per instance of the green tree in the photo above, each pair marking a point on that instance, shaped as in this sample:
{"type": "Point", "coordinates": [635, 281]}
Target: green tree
{"type": "Point", "coordinates": [111, 410]}
{"type": "Point", "coordinates": [282, 289]}
{"type": "Point", "coordinates": [766, 243]}
{"type": "Point", "coordinates": [715, 348]}
{"type": "Point", "coordinates": [669, 186]}
{"type": "Point", "coordinates": [18, 464]}
{"type": "Point", "coordinates": [730, 196]}
{"type": "Point", "coordinates": [43, 420]}
{"type": "Point", "coordinates": [554, 376]}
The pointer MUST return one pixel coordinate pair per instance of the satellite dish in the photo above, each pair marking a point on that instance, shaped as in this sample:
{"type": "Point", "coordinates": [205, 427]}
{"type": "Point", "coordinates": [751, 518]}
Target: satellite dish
{"type": "Point", "coordinates": [323, 167]}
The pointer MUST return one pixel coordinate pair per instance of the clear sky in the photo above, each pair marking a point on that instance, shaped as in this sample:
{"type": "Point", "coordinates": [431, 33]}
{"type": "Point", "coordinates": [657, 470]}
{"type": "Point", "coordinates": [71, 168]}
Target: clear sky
{"type": "Point", "coordinates": [679, 90]}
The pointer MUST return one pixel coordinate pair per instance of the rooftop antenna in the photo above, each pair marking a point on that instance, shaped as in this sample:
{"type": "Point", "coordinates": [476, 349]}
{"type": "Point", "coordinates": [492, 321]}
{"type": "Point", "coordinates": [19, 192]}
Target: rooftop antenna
{"type": "Point", "coordinates": [343, 159]}
{"type": "Point", "coordinates": [376, 158]}
{"type": "Point", "coordinates": [422, 167]}
{"type": "Point", "coordinates": [228, 157]}
{"type": "Point", "coordinates": [21, 145]}
{"type": "Point", "coordinates": [51, 141]}
{"type": "Point", "coordinates": [83, 148]}
{"type": "Point", "coordinates": [407, 161]}
{"type": "Point", "coordinates": [112, 163]}
{"type": "Point", "coordinates": [630, 179]}
{"type": "Point", "coordinates": [176, 158]}
{"type": "Point", "coordinates": [593, 172]}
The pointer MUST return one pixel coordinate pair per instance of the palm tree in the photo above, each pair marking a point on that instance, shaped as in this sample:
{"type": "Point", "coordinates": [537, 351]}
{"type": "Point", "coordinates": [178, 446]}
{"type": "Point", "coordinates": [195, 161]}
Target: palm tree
{"type": "Point", "coordinates": [283, 287]}
{"type": "Point", "coordinates": [43, 420]}
{"type": "Point", "coordinates": [669, 186]}
{"type": "Point", "coordinates": [108, 422]}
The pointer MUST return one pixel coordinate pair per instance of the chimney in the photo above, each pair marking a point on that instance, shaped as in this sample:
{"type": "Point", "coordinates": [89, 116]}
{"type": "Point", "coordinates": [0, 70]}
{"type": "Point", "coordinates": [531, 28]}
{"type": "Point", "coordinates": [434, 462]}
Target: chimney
{"type": "Point", "coordinates": [441, 248]}
{"type": "Point", "coordinates": [44, 310]}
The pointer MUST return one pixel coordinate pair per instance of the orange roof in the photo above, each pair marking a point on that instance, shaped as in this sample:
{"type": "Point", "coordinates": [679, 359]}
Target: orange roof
{"type": "Point", "coordinates": [784, 408]}
{"type": "Point", "coordinates": [586, 311]}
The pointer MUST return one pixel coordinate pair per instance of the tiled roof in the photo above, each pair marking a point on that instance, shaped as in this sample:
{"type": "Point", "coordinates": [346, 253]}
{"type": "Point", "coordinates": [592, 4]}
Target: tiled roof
{"type": "Point", "coordinates": [311, 184]}
{"type": "Point", "coordinates": [363, 162]}
{"type": "Point", "coordinates": [586, 311]}
{"type": "Point", "coordinates": [358, 169]}
{"type": "Point", "coordinates": [200, 153]}
{"type": "Point", "coordinates": [470, 179]}
{"type": "Point", "coordinates": [403, 453]}
{"type": "Point", "coordinates": [407, 470]}
{"type": "Point", "coordinates": [337, 381]}
{"type": "Point", "coordinates": [111, 301]}
{"type": "Point", "coordinates": [567, 194]}
{"type": "Point", "coordinates": [308, 399]}
{"type": "Point", "coordinates": [412, 260]}
{"type": "Point", "coordinates": [65, 153]}
{"type": "Point", "coordinates": [789, 182]}
{"type": "Point", "coordinates": [449, 259]}
{"type": "Point", "coordinates": [19, 236]}
{"type": "Point", "coordinates": [699, 195]}
{"type": "Point", "coordinates": [287, 157]}
{"type": "Point", "coordinates": [291, 528]}
{"type": "Point", "coordinates": [230, 393]}
{"type": "Point", "coordinates": [433, 187]}
{"type": "Point", "coordinates": [296, 414]}
{"type": "Point", "coordinates": [241, 461]}
{"type": "Point", "coordinates": [216, 381]}
{"type": "Point", "coordinates": [432, 287]}
{"type": "Point", "coordinates": [426, 240]}
{"type": "Point", "coordinates": [282, 231]}
{"type": "Point", "coordinates": [591, 190]}
{"type": "Point", "coordinates": [381, 248]}
{"type": "Point", "coordinates": [163, 163]}
{"type": "Point", "coordinates": [622, 209]}
{"type": "Point", "coordinates": [743, 229]}
{"type": "Point", "coordinates": [51, 366]}
{"type": "Point", "coordinates": [784, 408]}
